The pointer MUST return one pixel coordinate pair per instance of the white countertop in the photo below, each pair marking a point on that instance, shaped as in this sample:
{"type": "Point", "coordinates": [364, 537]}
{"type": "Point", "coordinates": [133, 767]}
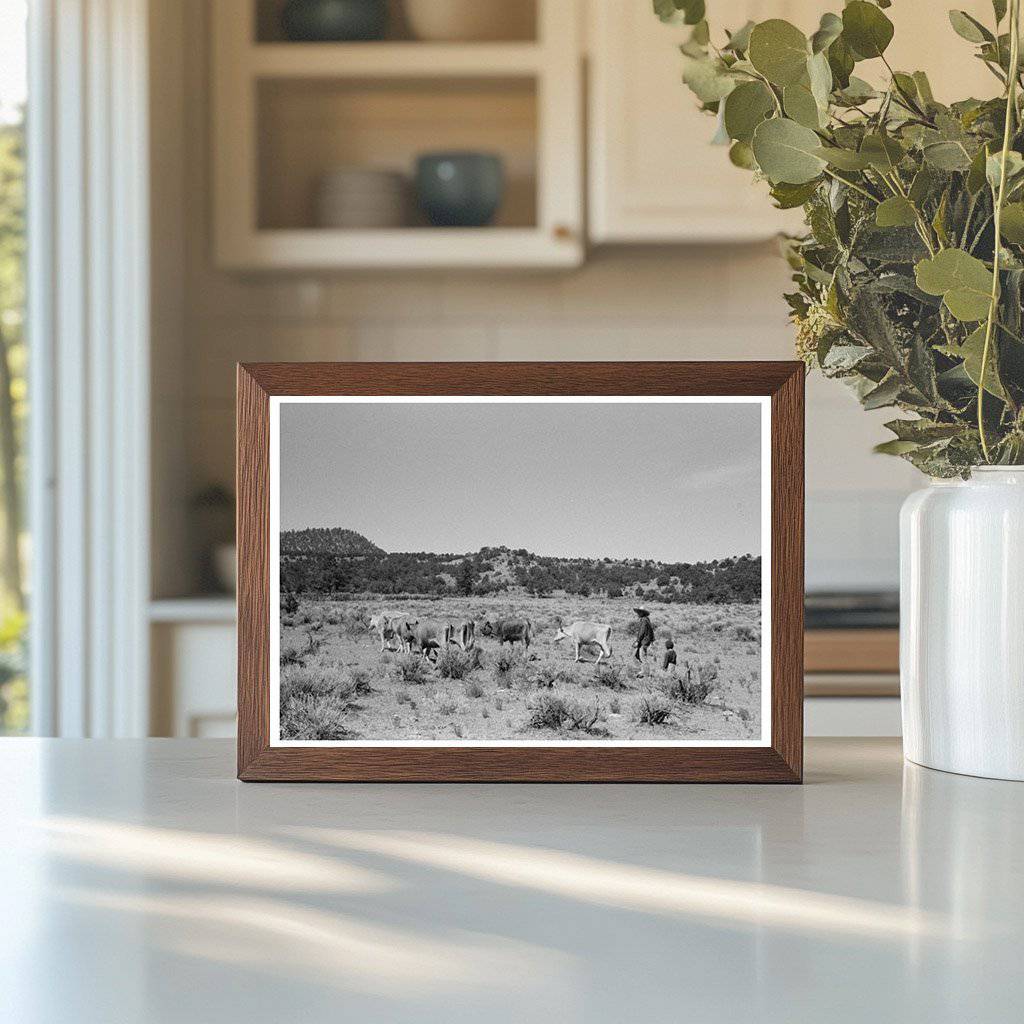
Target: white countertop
{"type": "Point", "coordinates": [140, 882]}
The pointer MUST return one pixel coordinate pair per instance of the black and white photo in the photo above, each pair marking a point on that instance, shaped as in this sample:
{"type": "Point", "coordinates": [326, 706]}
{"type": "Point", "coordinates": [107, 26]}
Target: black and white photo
{"type": "Point", "coordinates": [518, 571]}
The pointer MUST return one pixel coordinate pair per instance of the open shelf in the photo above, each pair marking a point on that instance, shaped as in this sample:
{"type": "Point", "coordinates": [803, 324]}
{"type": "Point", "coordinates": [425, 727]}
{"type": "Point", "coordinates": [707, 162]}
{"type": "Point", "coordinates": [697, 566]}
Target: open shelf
{"type": "Point", "coordinates": [286, 114]}
{"type": "Point", "coordinates": [309, 127]}
{"type": "Point", "coordinates": [520, 22]}
{"type": "Point", "coordinates": [393, 60]}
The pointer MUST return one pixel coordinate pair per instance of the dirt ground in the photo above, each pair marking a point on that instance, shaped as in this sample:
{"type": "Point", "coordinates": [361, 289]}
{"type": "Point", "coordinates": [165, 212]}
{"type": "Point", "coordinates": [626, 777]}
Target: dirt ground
{"type": "Point", "coordinates": [336, 684]}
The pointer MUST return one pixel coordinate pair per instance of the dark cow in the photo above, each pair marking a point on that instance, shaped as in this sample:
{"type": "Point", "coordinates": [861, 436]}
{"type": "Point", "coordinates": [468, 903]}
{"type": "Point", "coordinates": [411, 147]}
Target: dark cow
{"type": "Point", "coordinates": [423, 637]}
{"type": "Point", "coordinates": [463, 635]}
{"type": "Point", "coordinates": [509, 631]}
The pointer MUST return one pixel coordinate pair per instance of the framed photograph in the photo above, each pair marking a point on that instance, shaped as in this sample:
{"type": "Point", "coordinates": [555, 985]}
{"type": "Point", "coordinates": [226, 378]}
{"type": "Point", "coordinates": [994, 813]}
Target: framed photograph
{"type": "Point", "coordinates": [559, 572]}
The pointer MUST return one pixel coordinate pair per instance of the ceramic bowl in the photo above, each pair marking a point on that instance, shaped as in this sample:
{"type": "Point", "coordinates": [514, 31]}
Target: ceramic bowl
{"type": "Point", "coordinates": [460, 189]}
{"type": "Point", "coordinates": [470, 20]}
{"type": "Point", "coordinates": [333, 21]}
{"type": "Point", "coordinates": [359, 197]}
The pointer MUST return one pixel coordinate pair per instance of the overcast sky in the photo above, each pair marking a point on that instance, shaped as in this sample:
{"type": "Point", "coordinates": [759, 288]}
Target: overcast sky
{"type": "Point", "coordinates": [672, 482]}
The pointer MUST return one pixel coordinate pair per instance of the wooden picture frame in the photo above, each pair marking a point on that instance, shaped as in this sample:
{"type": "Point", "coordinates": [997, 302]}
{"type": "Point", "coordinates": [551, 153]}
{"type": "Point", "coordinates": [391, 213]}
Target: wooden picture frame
{"type": "Point", "coordinates": [779, 759]}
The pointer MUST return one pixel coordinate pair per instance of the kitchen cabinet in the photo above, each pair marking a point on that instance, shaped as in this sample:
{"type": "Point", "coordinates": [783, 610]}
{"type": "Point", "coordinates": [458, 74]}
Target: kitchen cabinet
{"type": "Point", "coordinates": [286, 114]}
{"type": "Point", "coordinates": [653, 177]}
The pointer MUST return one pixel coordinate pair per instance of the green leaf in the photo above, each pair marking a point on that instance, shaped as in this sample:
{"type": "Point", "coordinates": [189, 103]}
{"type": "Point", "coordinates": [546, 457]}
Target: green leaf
{"type": "Point", "coordinates": [857, 91]}
{"type": "Point", "coordinates": [866, 29]}
{"type": "Point", "coordinates": [976, 173]}
{"type": "Point", "coordinates": [895, 212]}
{"type": "Point", "coordinates": [741, 155]}
{"type": "Point", "coordinates": [963, 281]}
{"type": "Point", "coordinates": [969, 28]}
{"type": "Point", "coordinates": [829, 30]}
{"type": "Point", "coordinates": [707, 78]}
{"type": "Point", "coordinates": [844, 159]}
{"type": "Point", "coordinates": [786, 151]}
{"type": "Point", "coordinates": [883, 152]}
{"type": "Point", "coordinates": [895, 447]}
{"type": "Point", "coordinates": [1012, 224]}
{"type": "Point", "coordinates": [666, 10]}
{"type": "Point", "coordinates": [841, 63]}
{"type": "Point", "coordinates": [690, 12]}
{"type": "Point", "coordinates": [788, 197]}
{"type": "Point", "coordinates": [947, 156]}
{"type": "Point", "coordinates": [993, 167]}
{"type": "Point", "coordinates": [924, 88]}
{"type": "Point", "coordinates": [939, 220]}
{"type": "Point", "coordinates": [819, 74]}
{"type": "Point", "coordinates": [801, 106]}
{"type": "Point", "coordinates": [779, 51]}
{"type": "Point", "coordinates": [885, 394]}
{"type": "Point", "coordinates": [701, 34]}
{"type": "Point", "coordinates": [693, 10]}
{"type": "Point", "coordinates": [739, 41]}
{"type": "Point", "coordinates": [922, 431]}
{"type": "Point", "coordinates": [922, 185]}
{"type": "Point", "coordinates": [971, 351]}
{"type": "Point", "coordinates": [745, 108]}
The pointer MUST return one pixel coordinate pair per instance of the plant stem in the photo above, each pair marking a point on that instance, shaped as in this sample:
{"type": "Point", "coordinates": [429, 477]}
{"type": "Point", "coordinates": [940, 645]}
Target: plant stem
{"type": "Point", "coordinates": [1011, 109]}
{"type": "Point", "coordinates": [853, 185]}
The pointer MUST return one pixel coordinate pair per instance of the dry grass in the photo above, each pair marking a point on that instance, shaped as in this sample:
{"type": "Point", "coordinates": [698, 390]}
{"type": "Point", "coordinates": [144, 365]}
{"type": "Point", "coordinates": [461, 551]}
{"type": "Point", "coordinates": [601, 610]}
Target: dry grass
{"type": "Point", "coordinates": [336, 684]}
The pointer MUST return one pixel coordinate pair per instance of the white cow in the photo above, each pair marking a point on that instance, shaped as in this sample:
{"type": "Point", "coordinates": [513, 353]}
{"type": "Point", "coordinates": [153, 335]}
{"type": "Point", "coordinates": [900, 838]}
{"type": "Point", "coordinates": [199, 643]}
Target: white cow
{"type": "Point", "coordinates": [383, 624]}
{"type": "Point", "coordinates": [581, 633]}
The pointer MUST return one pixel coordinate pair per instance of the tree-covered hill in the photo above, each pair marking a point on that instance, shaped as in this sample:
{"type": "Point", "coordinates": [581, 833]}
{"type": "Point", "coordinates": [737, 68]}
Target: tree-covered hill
{"type": "Point", "coordinates": [345, 563]}
{"type": "Point", "coordinates": [334, 541]}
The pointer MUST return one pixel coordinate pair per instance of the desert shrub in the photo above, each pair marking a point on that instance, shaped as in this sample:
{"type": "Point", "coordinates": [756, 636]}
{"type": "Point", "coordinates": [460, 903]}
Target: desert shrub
{"type": "Point", "coordinates": [309, 717]}
{"type": "Point", "coordinates": [509, 669]}
{"type": "Point", "coordinates": [454, 664]}
{"type": "Point", "coordinates": [547, 675]}
{"type": "Point", "coordinates": [290, 655]}
{"type": "Point", "coordinates": [707, 671]}
{"type": "Point", "coordinates": [552, 712]}
{"type": "Point", "coordinates": [314, 702]}
{"type": "Point", "coordinates": [411, 668]}
{"type": "Point", "coordinates": [689, 691]}
{"type": "Point", "coordinates": [352, 622]}
{"type": "Point", "coordinates": [653, 709]}
{"type": "Point", "coordinates": [610, 676]}
{"type": "Point", "coordinates": [474, 689]}
{"type": "Point", "coordinates": [297, 680]}
{"type": "Point", "coordinates": [360, 680]}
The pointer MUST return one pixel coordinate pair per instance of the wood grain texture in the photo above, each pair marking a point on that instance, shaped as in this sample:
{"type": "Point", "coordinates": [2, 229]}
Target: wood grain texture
{"type": "Point", "coordinates": [780, 762]}
{"type": "Point", "coordinates": [852, 650]}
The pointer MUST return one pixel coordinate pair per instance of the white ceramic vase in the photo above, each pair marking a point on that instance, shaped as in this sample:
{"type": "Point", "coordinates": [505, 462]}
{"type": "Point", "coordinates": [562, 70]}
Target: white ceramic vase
{"type": "Point", "coordinates": [962, 624]}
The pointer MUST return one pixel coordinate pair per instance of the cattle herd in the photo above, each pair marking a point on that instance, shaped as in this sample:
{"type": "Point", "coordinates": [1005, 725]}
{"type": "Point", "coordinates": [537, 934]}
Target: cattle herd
{"type": "Point", "coordinates": [400, 632]}
{"type": "Point", "coordinates": [483, 668]}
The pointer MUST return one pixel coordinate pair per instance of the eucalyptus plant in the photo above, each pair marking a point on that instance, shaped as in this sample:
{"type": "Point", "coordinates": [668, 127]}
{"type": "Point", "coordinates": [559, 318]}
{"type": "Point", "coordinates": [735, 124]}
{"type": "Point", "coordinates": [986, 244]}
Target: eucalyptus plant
{"type": "Point", "coordinates": [910, 277]}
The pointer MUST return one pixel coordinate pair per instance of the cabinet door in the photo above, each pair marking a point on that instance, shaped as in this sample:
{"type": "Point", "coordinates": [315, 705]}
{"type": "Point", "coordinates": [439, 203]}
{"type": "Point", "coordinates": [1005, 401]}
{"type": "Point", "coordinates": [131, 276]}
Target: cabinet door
{"type": "Point", "coordinates": [653, 174]}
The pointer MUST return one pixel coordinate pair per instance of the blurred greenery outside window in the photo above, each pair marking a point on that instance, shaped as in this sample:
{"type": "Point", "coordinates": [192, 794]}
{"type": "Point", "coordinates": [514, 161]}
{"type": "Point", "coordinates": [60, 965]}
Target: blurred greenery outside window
{"type": "Point", "coordinates": [14, 537]}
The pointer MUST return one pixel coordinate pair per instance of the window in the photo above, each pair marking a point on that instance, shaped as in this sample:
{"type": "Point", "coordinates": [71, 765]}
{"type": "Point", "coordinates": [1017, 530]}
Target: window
{"type": "Point", "coordinates": [14, 547]}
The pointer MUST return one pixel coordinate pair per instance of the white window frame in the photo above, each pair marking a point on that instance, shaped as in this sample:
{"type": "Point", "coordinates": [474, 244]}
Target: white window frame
{"type": "Point", "coordinates": [88, 333]}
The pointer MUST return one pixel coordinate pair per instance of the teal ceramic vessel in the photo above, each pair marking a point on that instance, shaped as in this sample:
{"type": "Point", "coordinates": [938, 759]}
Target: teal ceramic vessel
{"type": "Point", "coordinates": [334, 21]}
{"type": "Point", "coordinates": [460, 189]}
